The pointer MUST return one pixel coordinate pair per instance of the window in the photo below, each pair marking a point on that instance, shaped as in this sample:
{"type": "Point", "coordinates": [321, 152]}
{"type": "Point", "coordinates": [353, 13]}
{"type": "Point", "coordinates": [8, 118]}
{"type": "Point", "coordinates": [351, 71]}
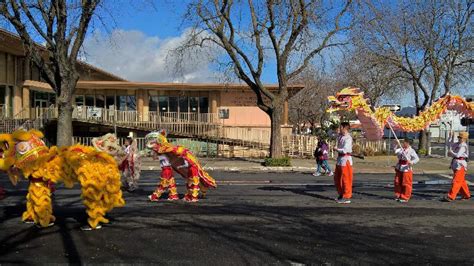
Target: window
{"type": "Point", "coordinates": [52, 99]}
{"type": "Point", "coordinates": [100, 101]}
{"type": "Point", "coordinates": [42, 99]}
{"type": "Point", "coordinates": [203, 105]}
{"type": "Point", "coordinates": [173, 104]}
{"type": "Point", "coordinates": [126, 103]}
{"type": "Point", "coordinates": [183, 104]}
{"type": "Point", "coordinates": [89, 100]}
{"type": "Point", "coordinates": [2, 94]}
{"type": "Point", "coordinates": [120, 102]}
{"type": "Point", "coordinates": [193, 104]}
{"type": "Point", "coordinates": [163, 104]}
{"type": "Point", "coordinates": [110, 102]}
{"type": "Point", "coordinates": [153, 103]}
{"type": "Point", "coordinates": [79, 100]}
{"type": "Point", "coordinates": [131, 103]}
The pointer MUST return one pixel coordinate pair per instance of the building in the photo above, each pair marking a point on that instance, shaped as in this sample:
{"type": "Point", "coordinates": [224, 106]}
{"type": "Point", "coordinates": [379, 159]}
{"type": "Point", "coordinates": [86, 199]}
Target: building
{"type": "Point", "coordinates": [103, 100]}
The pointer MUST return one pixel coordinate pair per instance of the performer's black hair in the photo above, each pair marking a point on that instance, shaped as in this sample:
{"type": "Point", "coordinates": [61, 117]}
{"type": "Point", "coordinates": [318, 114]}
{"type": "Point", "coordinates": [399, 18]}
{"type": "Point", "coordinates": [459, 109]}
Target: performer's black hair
{"type": "Point", "coordinates": [408, 140]}
{"type": "Point", "coordinates": [346, 125]}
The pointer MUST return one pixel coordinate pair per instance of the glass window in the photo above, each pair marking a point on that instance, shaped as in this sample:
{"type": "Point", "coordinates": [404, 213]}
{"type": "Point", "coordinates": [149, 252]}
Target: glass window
{"type": "Point", "coordinates": [100, 101]}
{"type": "Point", "coordinates": [89, 100]}
{"type": "Point", "coordinates": [193, 104]}
{"type": "Point", "coordinates": [52, 99]}
{"type": "Point", "coordinates": [203, 105]}
{"type": "Point", "coordinates": [79, 100]}
{"type": "Point", "coordinates": [121, 102]}
{"type": "Point", "coordinates": [173, 104]}
{"type": "Point", "coordinates": [131, 103]}
{"type": "Point", "coordinates": [183, 104]}
{"type": "Point", "coordinates": [153, 104]}
{"type": "Point", "coordinates": [110, 102]}
{"type": "Point", "coordinates": [2, 94]}
{"type": "Point", "coordinates": [163, 103]}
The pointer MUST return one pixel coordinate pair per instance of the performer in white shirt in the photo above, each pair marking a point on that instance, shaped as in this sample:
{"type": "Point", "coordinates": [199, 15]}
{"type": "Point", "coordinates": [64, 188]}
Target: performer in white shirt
{"type": "Point", "coordinates": [343, 173]}
{"type": "Point", "coordinates": [460, 153]}
{"type": "Point", "coordinates": [407, 157]}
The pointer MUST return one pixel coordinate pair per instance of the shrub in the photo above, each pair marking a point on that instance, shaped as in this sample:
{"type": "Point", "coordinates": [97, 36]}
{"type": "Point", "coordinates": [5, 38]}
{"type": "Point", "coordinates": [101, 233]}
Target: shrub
{"type": "Point", "coordinates": [422, 152]}
{"type": "Point", "coordinates": [284, 161]}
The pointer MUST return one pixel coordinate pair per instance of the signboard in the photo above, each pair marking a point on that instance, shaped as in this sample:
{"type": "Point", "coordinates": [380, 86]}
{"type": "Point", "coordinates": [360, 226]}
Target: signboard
{"type": "Point", "coordinates": [393, 107]}
{"type": "Point", "coordinates": [224, 113]}
{"type": "Point", "coordinates": [94, 112]}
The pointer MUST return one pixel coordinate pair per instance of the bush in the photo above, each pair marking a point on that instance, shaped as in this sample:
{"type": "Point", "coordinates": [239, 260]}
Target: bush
{"type": "Point", "coordinates": [284, 161]}
{"type": "Point", "coordinates": [422, 152]}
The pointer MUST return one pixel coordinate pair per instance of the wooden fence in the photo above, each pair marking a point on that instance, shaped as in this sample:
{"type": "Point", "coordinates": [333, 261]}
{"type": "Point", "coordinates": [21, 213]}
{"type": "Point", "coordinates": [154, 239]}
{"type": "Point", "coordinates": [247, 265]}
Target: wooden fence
{"type": "Point", "coordinates": [296, 146]}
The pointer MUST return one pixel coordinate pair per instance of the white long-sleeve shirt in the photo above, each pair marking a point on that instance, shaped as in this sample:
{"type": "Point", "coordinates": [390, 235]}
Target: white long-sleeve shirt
{"type": "Point", "coordinates": [459, 150]}
{"type": "Point", "coordinates": [344, 147]}
{"type": "Point", "coordinates": [403, 155]}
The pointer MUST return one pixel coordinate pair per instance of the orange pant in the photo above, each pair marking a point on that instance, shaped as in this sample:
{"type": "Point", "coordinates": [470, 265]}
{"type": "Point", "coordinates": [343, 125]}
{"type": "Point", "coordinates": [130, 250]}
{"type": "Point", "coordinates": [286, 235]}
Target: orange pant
{"type": "Point", "coordinates": [459, 184]}
{"type": "Point", "coordinates": [343, 180]}
{"type": "Point", "coordinates": [403, 184]}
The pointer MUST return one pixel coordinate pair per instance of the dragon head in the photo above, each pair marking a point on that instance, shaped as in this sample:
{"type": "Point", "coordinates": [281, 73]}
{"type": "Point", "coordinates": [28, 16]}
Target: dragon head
{"type": "Point", "coordinates": [109, 144]}
{"type": "Point", "coordinates": [157, 141]}
{"type": "Point", "coordinates": [7, 151]}
{"type": "Point", "coordinates": [19, 149]}
{"type": "Point", "coordinates": [344, 99]}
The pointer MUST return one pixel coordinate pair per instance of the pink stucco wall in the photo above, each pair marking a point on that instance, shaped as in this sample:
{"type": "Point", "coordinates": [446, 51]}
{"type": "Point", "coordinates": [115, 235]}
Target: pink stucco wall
{"type": "Point", "coordinates": [243, 110]}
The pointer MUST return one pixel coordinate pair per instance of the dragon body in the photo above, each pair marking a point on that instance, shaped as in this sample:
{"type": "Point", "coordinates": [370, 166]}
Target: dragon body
{"type": "Point", "coordinates": [374, 120]}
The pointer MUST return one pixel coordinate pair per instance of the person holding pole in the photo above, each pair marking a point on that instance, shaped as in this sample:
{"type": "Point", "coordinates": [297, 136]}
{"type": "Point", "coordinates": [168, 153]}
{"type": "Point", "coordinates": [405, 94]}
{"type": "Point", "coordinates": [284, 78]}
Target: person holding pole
{"type": "Point", "coordinates": [403, 183]}
{"type": "Point", "coordinates": [459, 152]}
{"type": "Point", "coordinates": [343, 174]}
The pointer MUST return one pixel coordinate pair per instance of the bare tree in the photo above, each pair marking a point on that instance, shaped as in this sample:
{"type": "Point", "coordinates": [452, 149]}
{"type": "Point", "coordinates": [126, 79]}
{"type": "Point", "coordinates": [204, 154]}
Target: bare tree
{"type": "Point", "coordinates": [286, 33]}
{"type": "Point", "coordinates": [376, 78]}
{"type": "Point", "coordinates": [429, 42]}
{"type": "Point", "coordinates": [63, 26]}
{"type": "Point", "coordinates": [309, 105]}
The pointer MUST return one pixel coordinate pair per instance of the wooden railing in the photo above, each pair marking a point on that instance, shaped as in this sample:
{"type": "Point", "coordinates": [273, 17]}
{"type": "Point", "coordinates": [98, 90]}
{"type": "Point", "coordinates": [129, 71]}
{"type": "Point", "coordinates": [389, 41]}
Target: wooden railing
{"type": "Point", "coordinates": [296, 146]}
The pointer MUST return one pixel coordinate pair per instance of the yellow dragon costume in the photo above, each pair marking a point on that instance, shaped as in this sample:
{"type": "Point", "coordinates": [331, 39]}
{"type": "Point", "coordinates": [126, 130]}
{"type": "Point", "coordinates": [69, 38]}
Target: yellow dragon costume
{"type": "Point", "coordinates": [25, 153]}
{"type": "Point", "coordinates": [183, 162]}
{"type": "Point", "coordinates": [373, 120]}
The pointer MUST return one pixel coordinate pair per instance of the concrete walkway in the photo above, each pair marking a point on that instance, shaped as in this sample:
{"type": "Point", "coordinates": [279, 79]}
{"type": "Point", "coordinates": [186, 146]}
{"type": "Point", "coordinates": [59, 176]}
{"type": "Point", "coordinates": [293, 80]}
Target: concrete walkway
{"type": "Point", "coordinates": [370, 165]}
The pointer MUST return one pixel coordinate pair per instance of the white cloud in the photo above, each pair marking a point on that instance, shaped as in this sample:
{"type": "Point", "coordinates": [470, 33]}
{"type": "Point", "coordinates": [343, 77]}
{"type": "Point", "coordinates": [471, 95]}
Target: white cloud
{"type": "Point", "coordinates": [138, 57]}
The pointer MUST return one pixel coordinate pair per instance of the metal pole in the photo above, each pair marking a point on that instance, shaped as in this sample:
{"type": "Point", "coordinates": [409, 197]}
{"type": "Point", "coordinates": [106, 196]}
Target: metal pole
{"type": "Point", "coordinates": [389, 138]}
{"type": "Point", "coordinates": [445, 140]}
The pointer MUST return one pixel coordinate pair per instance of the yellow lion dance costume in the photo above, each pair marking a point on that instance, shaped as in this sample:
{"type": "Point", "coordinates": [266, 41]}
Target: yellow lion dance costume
{"type": "Point", "coordinates": [24, 152]}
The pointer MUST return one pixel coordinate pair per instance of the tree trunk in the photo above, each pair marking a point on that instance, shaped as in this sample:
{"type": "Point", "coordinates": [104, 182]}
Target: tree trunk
{"type": "Point", "coordinates": [422, 140]}
{"type": "Point", "coordinates": [276, 118]}
{"type": "Point", "coordinates": [64, 133]}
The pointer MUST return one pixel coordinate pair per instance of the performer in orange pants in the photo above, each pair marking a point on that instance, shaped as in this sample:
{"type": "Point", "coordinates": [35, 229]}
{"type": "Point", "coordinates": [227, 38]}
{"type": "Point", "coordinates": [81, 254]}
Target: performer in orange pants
{"type": "Point", "coordinates": [167, 181]}
{"type": "Point", "coordinates": [343, 174]}
{"type": "Point", "coordinates": [407, 157]}
{"type": "Point", "coordinates": [343, 180]}
{"type": "Point", "coordinates": [459, 152]}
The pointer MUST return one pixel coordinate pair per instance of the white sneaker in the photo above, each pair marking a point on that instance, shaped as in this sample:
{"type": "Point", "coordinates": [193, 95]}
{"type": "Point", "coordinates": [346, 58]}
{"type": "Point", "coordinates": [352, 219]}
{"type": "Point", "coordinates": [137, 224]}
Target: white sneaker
{"type": "Point", "coordinates": [343, 201]}
{"type": "Point", "coordinates": [402, 200]}
{"type": "Point", "coordinates": [330, 174]}
{"type": "Point", "coordinates": [40, 226]}
{"type": "Point", "coordinates": [89, 228]}
{"type": "Point", "coordinates": [316, 174]}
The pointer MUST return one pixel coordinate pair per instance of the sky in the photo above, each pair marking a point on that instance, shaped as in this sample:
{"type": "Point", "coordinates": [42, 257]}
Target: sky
{"type": "Point", "coordinates": [139, 43]}
{"type": "Point", "coordinates": [138, 38]}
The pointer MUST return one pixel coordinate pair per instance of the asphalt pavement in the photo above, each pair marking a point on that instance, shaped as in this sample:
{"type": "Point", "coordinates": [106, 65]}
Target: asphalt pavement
{"type": "Point", "coordinates": [251, 218]}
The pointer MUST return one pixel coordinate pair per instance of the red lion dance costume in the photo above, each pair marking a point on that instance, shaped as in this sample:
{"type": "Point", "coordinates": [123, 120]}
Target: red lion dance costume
{"type": "Point", "coordinates": [182, 161]}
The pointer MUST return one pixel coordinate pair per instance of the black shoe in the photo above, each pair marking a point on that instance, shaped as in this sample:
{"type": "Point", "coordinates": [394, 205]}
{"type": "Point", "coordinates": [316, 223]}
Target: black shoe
{"type": "Point", "coordinates": [446, 199]}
